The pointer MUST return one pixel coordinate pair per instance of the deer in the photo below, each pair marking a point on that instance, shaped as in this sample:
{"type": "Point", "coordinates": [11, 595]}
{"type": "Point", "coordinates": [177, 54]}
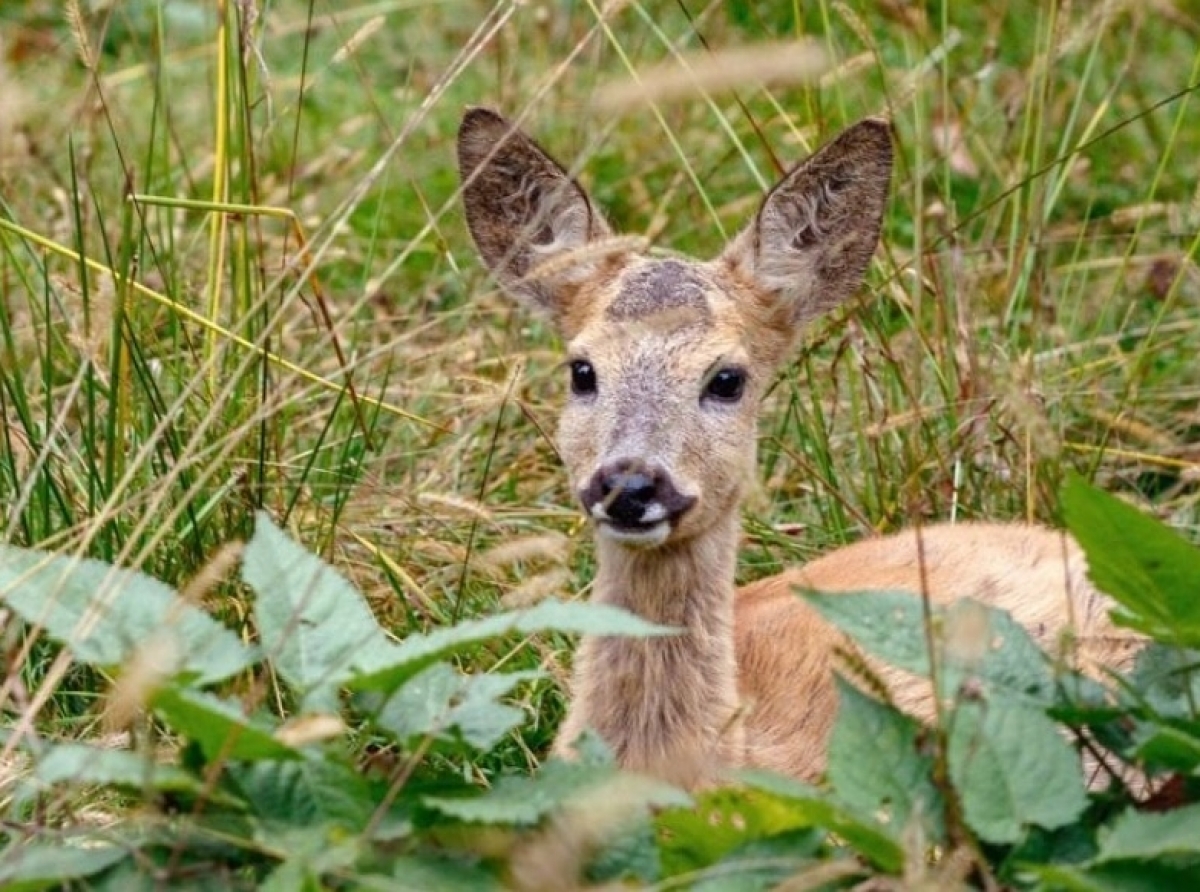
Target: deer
{"type": "Point", "coordinates": [669, 359]}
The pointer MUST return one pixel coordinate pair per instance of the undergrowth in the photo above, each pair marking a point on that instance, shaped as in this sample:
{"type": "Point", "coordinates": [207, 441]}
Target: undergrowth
{"type": "Point", "coordinates": [233, 278]}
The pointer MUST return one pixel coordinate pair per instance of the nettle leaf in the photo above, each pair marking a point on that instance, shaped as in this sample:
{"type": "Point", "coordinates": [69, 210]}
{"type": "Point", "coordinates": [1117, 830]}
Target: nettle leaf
{"type": "Point", "coordinates": [411, 873]}
{"type": "Point", "coordinates": [812, 808]}
{"type": "Point", "coordinates": [39, 864]}
{"type": "Point", "coordinates": [1012, 767]}
{"type": "Point", "coordinates": [1152, 572]}
{"type": "Point", "coordinates": [314, 625]}
{"type": "Point", "coordinates": [876, 764]}
{"type": "Point", "coordinates": [80, 764]}
{"type": "Point", "coordinates": [724, 820]}
{"type": "Point", "coordinates": [974, 642]}
{"type": "Point", "coordinates": [219, 727]}
{"type": "Point", "coordinates": [1165, 746]}
{"type": "Point", "coordinates": [1120, 876]}
{"type": "Point", "coordinates": [443, 703]}
{"type": "Point", "coordinates": [768, 863]}
{"type": "Point", "coordinates": [312, 852]}
{"type": "Point", "coordinates": [524, 801]}
{"type": "Point", "coordinates": [1147, 835]}
{"type": "Point", "coordinates": [391, 669]}
{"type": "Point", "coordinates": [1167, 679]}
{"type": "Point", "coordinates": [318, 789]}
{"type": "Point", "coordinates": [102, 613]}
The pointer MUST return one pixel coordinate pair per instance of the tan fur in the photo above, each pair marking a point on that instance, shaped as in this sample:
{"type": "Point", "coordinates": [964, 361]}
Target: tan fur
{"type": "Point", "coordinates": [661, 460]}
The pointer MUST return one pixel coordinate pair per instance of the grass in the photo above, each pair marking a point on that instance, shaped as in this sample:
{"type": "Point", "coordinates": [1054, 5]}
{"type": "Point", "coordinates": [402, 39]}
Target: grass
{"type": "Point", "coordinates": [289, 314]}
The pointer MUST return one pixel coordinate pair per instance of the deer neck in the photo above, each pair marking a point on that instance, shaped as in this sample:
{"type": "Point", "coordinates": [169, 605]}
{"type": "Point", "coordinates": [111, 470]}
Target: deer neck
{"type": "Point", "coordinates": [665, 705]}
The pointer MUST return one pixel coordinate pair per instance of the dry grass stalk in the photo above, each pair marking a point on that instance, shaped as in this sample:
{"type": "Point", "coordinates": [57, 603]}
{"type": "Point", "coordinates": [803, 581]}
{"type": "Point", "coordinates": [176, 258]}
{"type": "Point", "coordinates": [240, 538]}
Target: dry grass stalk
{"type": "Point", "coordinates": [691, 74]}
{"type": "Point", "coordinates": [541, 547]}
{"type": "Point", "coordinates": [538, 588]}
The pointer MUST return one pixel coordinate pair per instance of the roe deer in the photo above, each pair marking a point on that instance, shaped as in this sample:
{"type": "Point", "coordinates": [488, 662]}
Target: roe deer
{"type": "Point", "coordinates": [668, 361]}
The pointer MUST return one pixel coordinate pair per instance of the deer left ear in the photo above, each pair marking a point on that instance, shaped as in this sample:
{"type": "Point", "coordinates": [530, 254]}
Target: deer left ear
{"type": "Point", "coordinates": [810, 243]}
{"type": "Point", "coordinates": [529, 219]}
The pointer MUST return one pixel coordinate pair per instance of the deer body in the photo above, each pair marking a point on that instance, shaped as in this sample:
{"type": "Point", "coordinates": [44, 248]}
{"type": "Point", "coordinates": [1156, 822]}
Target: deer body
{"type": "Point", "coordinates": [669, 359]}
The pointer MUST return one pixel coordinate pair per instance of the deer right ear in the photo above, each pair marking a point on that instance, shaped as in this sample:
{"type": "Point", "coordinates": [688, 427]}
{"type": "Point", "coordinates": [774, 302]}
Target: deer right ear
{"type": "Point", "coordinates": [812, 239]}
{"type": "Point", "coordinates": [526, 215]}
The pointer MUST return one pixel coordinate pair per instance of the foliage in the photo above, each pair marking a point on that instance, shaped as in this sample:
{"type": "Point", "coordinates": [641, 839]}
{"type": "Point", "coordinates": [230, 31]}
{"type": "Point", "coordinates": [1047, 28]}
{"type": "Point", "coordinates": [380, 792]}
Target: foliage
{"type": "Point", "coordinates": [233, 279]}
{"type": "Point", "coordinates": [283, 804]}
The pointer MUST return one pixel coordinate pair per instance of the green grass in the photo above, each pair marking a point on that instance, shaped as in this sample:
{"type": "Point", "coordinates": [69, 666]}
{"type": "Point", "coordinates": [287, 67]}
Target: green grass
{"type": "Point", "coordinates": [1036, 306]}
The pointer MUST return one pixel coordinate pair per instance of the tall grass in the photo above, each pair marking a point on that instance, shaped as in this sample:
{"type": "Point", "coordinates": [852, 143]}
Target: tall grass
{"type": "Point", "coordinates": [233, 275]}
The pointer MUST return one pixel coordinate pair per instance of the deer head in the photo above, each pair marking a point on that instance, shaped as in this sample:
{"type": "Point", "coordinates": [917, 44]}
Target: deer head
{"type": "Point", "coordinates": [669, 358]}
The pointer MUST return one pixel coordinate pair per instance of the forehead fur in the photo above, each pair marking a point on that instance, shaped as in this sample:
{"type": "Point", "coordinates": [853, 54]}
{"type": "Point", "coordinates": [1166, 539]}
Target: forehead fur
{"type": "Point", "coordinates": [680, 305]}
{"type": "Point", "coordinates": [660, 287]}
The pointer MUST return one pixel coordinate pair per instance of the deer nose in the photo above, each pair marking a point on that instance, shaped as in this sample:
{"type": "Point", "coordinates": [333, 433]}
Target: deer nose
{"type": "Point", "coordinates": [630, 493]}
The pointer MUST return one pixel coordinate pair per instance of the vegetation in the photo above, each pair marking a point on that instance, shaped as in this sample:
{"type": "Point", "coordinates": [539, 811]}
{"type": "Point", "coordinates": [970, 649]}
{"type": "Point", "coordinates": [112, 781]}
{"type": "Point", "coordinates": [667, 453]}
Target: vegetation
{"type": "Point", "coordinates": [234, 284]}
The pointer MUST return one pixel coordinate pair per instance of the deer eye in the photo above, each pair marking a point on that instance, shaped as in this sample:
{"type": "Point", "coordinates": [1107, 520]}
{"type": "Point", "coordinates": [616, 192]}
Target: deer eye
{"type": "Point", "coordinates": [726, 385]}
{"type": "Point", "coordinates": [583, 377]}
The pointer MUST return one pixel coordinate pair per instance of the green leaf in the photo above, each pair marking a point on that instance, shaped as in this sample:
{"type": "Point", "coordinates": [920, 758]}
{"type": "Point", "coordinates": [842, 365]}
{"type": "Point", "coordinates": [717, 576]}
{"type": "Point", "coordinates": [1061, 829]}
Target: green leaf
{"type": "Point", "coordinates": [391, 669]}
{"type": "Point", "coordinates": [319, 789]}
{"type": "Point", "coordinates": [77, 763]}
{"type": "Point", "coordinates": [220, 727]}
{"type": "Point", "coordinates": [1167, 678]}
{"type": "Point", "coordinates": [1165, 746]}
{"type": "Point", "coordinates": [314, 625]}
{"type": "Point", "coordinates": [876, 765]}
{"type": "Point", "coordinates": [1148, 835]}
{"type": "Point", "coordinates": [445, 704]}
{"type": "Point", "coordinates": [721, 821]}
{"type": "Point", "coordinates": [973, 641]}
{"type": "Point", "coordinates": [1121, 876]}
{"type": "Point", "coordinates": [417, 874]}
{"type": "Point", "coordinates": [1012, 767]}
{"type": "Point", "coordinates": [311, 853]}
{"type": "Point", "coordinates": [1152, 572]}
{"type": "Point", "coordinates": [39, 864]}
{"type": "Point", "coordinates": [764, 864]}
{"type": "Point", "coordinates": [102, 614]}
{"type": "Point", "coordinates": [517, 800]}
{"type": "Point", "coordinates": [863, 833]}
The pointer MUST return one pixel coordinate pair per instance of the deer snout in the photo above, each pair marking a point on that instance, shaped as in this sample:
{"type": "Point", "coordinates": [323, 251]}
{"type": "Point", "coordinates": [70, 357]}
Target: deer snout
{"type": "Point", "coordinates": [633, 495]}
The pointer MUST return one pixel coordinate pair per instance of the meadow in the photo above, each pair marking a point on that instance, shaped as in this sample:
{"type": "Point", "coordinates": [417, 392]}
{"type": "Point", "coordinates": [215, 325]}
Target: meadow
{"type": "Point", "coordinates": [235, 277]}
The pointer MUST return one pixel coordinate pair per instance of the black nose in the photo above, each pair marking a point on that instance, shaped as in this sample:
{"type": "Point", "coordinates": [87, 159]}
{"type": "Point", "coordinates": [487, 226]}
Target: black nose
{"type": "Point", "coordinates": [630, 493]}
{"type": "Point", "coordinates": [627, 494]}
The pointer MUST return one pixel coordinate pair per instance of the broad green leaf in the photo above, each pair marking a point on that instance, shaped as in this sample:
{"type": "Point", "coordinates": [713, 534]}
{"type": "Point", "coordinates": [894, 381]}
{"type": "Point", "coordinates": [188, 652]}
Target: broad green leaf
{"type": "Point", "coordinates": [311, 852]}
{"type": "Point", "coordinates": [767, 863]}
{"type": "Point", "coordinates": [41, 864]}
{"type": "Point", "coordinates": [411, 873]}
{"type": "Point", "coordinates": [77, 763]}
{"type": "Point", "coordinates": [1165, 746]}
{"type": "Point", "coordinates": [443, 703]}
{"type": "Point", "coordinates": [518, 800]}
{"type": "Point", "coordinates": [1152, 572]}
{"type": "Point", "coordinates": [863, 833]}
{"type": "Point", "coordinates": [721, 821]}
{"type": "Point", "coordinates": [319, 789]}
{"type": "Point", "coordinates": [1148, 835]}
{"type": "Point", "coordinates": [314, 625]}
{"type": "Point", "coordinates": [631, 856]}
{"type": "Point", "coordinates": [388, 670]}
{"type": "Point", "coordinates": [876, 766]}
{"type": "Point", "coordinates": [1012, 767]}
{"type": "Point", "coordinates": [1120, 876]}
{"type": "Point", "coordinates": [292, 875]}
{"type": "Point", "coordinates": [102, 614]}
{"type": "Point", "coordinates": [219, 726]}
{"type": "Point", "coordinates": [973, 641]}
{"type": "Point", "coordinates": [1168, 680]}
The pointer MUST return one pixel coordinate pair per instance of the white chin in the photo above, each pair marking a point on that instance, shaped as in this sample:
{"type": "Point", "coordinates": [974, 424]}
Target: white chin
{"type": "Point", "coordinates": [646, 537]}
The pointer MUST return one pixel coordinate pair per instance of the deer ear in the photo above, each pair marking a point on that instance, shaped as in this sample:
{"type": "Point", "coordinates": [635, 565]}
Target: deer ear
{"type": "Point", "coordinates": [526, 215]}
{"type": "Point", "coordinates": [809, 245]}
